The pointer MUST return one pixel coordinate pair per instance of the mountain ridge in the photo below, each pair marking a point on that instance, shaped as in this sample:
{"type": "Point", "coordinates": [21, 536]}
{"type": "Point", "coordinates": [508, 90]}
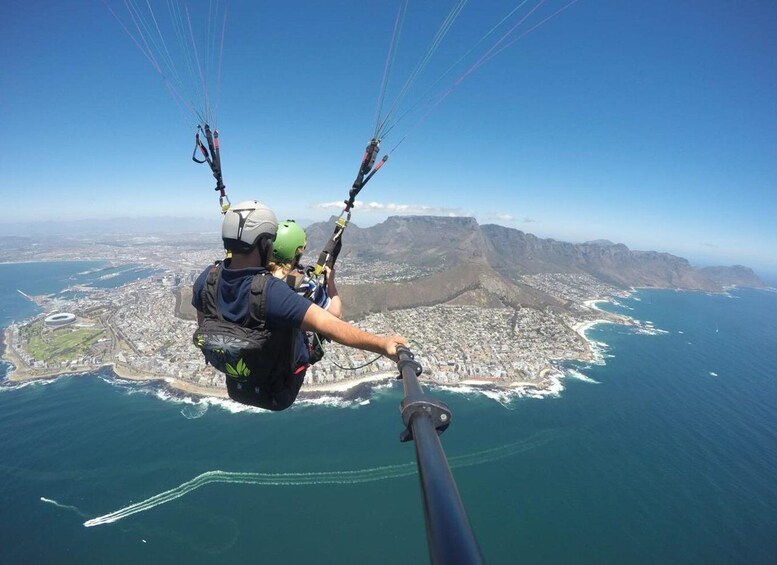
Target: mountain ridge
{"type": "Point", "coordinates": [448, 241]}
{"type": "Point", "coordinates": [461, 261]}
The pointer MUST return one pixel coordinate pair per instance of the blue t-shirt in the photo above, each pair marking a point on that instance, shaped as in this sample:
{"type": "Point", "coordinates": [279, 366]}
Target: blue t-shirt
{"type": "Point", "coordinates": [284, 307]}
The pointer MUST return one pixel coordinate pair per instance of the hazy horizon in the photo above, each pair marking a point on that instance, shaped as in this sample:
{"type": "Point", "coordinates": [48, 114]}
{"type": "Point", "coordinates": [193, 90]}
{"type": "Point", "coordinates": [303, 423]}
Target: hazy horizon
{"type": "Point", "coordinates": [132, 226]}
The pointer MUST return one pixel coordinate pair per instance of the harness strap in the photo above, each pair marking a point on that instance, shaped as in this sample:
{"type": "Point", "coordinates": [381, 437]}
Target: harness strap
{"type": "Point", "coordinates": [257, 305]}
{"type": "Point", "coordinates": [210, 293]}
{"type": "Point", "coordinates": [368, 160]}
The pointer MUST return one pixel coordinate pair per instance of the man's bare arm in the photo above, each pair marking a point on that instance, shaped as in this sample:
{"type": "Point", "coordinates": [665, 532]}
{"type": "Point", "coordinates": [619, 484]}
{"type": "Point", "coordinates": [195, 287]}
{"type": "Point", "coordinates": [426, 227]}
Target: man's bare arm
{"type": "Point", "coordinates": [319, 320]}
{"type": "Point", "coordinates": [335, 304]}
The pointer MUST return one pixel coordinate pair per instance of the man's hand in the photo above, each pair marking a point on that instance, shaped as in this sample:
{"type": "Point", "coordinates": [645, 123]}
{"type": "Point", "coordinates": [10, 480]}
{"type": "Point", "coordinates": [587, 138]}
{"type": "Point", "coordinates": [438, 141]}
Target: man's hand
{"type": "Point", "coordinates": [390, 344]}
{"type": "Point", "coordinates": [329, 280]}
{"type": "Point", "coordinates": [335, 305]}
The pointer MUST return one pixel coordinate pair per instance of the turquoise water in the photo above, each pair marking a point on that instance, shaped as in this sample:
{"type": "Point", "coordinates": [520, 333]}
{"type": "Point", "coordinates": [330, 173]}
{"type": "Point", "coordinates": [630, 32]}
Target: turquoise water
{"type": "Point", "coordinates": [659, 462]}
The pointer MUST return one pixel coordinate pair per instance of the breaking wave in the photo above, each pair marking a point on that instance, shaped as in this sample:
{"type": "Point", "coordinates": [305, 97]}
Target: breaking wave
{"type": "Point", "coordinates": [8, 386]}
{"type": "Point", "coordinates": [194, 411]}
{"type": "Point", "coordinates": [577, 375]}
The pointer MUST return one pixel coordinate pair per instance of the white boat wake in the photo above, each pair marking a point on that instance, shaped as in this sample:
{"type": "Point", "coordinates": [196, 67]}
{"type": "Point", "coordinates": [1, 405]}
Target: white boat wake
{"type": "Point", "coordinates": [353, 477]}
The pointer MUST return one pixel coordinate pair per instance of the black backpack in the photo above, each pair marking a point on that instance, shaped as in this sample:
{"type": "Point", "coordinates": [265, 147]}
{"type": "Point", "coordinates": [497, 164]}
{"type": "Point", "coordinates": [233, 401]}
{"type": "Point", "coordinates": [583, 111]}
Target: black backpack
{"type": "Point", "coordinates": [250, 355]}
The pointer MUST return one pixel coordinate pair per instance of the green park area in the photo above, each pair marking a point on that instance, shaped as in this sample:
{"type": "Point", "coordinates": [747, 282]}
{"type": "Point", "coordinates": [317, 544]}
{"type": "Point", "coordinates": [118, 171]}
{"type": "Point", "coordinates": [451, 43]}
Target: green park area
{"type": "Point", "coordinates": [60, 344]}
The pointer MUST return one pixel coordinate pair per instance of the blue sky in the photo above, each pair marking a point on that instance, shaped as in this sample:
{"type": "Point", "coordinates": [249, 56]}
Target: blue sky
{"type": "Point", "coordinates": [648, 123]}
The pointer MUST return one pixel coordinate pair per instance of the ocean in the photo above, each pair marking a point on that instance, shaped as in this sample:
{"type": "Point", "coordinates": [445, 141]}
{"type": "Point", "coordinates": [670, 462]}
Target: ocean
{"type": "Point", "coordinates": [665, 452]}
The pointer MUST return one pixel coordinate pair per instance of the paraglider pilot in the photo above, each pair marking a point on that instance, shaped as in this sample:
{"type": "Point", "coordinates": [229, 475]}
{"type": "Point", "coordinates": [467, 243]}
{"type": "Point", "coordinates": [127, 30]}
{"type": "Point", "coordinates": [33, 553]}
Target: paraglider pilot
{"type": "Point", "coordinates": [251, 324]}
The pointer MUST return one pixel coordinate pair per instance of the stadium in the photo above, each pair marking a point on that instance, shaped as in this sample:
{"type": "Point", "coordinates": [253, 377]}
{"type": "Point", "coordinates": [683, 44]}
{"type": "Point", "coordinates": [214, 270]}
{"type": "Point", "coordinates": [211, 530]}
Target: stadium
{"type": "Point", "coordinates": [60, 319]}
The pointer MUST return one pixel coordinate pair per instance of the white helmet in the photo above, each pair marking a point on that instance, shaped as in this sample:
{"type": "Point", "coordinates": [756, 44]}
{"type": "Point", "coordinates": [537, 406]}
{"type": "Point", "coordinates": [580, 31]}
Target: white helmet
{"type": "Point", "coordinates": [245, 223]}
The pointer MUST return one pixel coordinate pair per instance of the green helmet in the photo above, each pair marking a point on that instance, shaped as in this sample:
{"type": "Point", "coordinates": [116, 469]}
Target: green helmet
{"type": "Point", "coordinates": [288, 239]}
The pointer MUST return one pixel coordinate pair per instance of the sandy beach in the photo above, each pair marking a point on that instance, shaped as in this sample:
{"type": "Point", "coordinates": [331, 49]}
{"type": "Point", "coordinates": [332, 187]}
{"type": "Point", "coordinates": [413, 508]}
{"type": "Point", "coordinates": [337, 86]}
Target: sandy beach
{"type": "Point", "coordinates": [581, 327]}
{"type": "Point", "coordinates": [592, 304]}
{"type": "Point", "coordinates": [346, 385]}
{"type": "Point", "coordinates": [127, 373]}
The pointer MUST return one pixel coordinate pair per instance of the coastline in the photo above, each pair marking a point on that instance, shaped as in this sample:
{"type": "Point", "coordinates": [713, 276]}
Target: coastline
{"type": "Point", "coordinates": [19, 372]}
{"type": "Point", "coordinates": [592, 304]}
{"type": "Point", "coordinates": [177, 385]}
{"type": "Point", "coordinates": [174, 385]}
{"type": "Point", "coordinates": [582, 327]}
{"type": "Point", "coordinates": [342, 388]}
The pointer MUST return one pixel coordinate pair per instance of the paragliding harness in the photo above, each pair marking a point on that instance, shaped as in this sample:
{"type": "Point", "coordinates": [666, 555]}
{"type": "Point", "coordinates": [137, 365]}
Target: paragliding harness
{"type": "Point", "coordinates": [300, 280]}
{"type": "Point", "coordinates": [258, 362]}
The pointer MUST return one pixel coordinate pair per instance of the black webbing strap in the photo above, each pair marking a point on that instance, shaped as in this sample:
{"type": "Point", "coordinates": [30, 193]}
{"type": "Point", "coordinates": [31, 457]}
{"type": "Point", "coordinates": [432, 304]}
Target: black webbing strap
{"type": "Point", "coordinates": [210, 293]}
{"type": "Point", "coordinates": [257, 304]}
{"type": "Point", "coordinates": [211, 155]}
{"type": "Point", "coordinates": [365, 170]}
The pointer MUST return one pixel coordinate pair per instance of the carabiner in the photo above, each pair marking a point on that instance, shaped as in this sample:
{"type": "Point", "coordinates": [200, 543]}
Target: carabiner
{"type": "Point", "coordinates": [224, 207]}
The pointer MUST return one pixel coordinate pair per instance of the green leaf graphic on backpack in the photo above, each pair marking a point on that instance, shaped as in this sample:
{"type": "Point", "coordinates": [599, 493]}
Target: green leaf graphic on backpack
{"type": "Point", "coordinates": [240, 371]}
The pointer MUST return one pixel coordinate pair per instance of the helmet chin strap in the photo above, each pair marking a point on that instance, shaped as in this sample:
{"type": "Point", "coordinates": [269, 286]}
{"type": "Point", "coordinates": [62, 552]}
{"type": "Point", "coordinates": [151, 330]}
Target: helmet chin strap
{"type": "Point", "coordinates": [263, 246]}
{"type": "Point", "coordinates": [295, 261]}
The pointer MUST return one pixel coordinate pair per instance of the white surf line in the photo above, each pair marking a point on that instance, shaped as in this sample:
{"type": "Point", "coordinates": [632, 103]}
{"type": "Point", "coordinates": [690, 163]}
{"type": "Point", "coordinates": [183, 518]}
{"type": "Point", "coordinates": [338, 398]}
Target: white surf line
{"type": "Point", "coordinates": [321, 478]}
{"type": "Point", "coordinates": [575, 374]}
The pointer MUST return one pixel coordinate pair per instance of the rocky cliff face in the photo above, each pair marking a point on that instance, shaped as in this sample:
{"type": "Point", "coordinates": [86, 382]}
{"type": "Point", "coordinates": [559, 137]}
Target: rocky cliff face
{"type": "Point", "coordinates": [447, 242]}
{"type": "Point", "coordinates": [416, 240]}
{"type": "Point", "coordinates": [736, 275]}
{"type": "Point", "coordinates": [514, 253]}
